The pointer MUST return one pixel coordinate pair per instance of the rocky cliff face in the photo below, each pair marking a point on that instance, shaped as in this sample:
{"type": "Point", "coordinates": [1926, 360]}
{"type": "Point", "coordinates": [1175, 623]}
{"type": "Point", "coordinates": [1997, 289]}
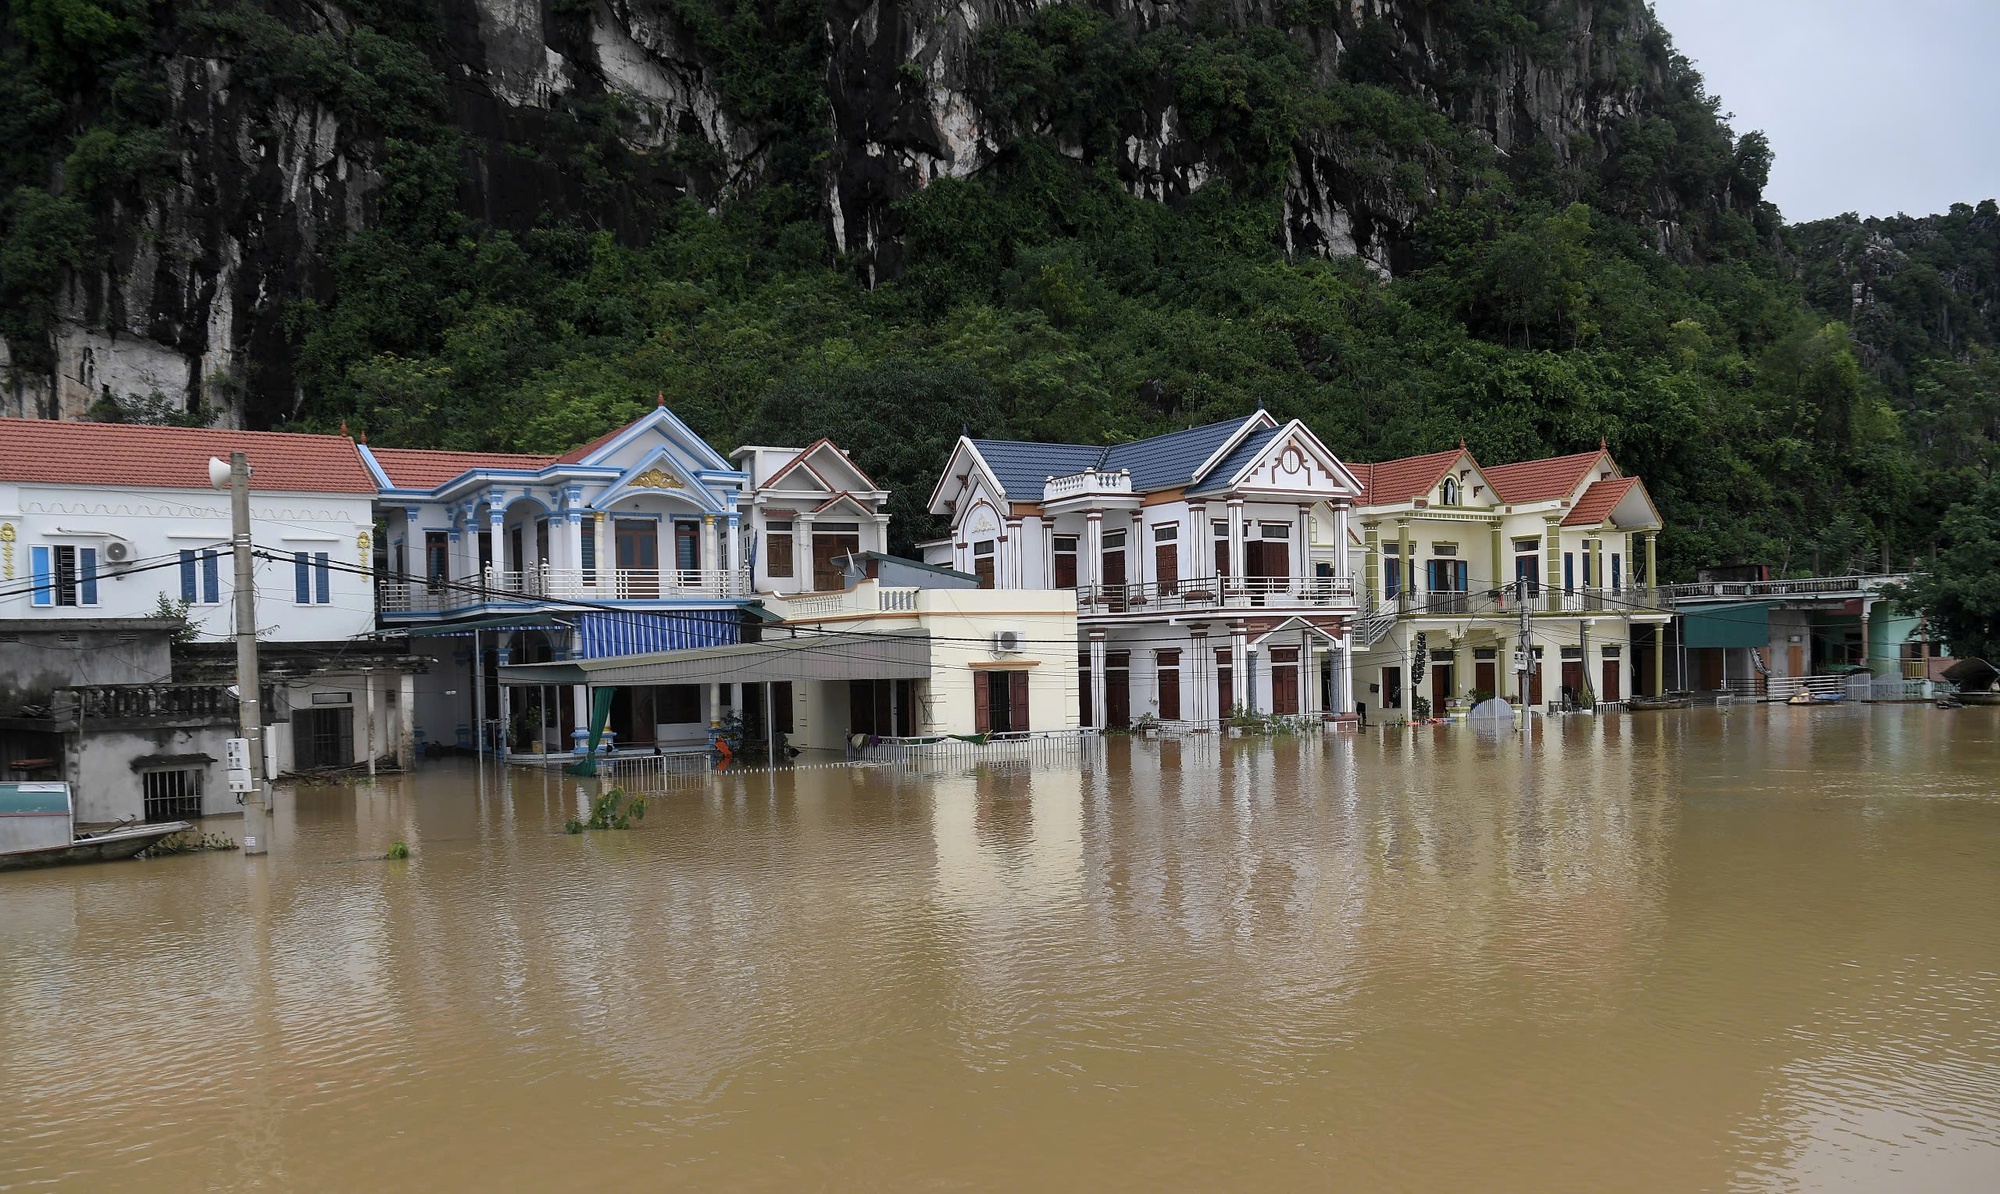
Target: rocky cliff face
{"type": "Point", "coordinates": [190, 295]}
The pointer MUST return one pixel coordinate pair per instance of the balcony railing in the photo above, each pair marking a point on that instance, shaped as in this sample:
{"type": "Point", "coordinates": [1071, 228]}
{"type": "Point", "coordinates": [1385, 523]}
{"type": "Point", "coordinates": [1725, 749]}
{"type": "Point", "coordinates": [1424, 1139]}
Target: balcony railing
{"type": "Point", "coordinates": [1208, 592]}
{"type": "Point", "coordinates": [1055, 489]}
{"type": "Point", "coordinates": [1810, 586]}
{"type": "Point", "coordinates": [561, 584]}
{"type": "Point", "coordinates": [1506, 603]}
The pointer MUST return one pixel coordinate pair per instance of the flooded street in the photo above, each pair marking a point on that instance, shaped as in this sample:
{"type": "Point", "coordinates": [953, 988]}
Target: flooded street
{"type": "Point", "coordinates": [1746, 950]}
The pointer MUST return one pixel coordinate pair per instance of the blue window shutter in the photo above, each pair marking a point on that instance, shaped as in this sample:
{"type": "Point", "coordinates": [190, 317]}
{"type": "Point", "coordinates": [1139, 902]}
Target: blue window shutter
{"type": "Point", "coordinates": [187, 576]}
{"type": "Point", "coordinates": [589, 542]}
{"type": "Point", "coordinates": [211, 577]}
{"type": "Point", "coordinates": [86, 574]}
{"type": "Point", "coordinates": [322, 580]}
{"type": "Point", "coordinates": [301, 579]}
{"type": "Point", "coordinates": [45, 593]}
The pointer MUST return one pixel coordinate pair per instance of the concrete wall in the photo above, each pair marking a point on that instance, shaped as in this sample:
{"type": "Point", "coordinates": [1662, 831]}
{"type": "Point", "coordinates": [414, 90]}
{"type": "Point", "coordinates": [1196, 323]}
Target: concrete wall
{"type": "Point", "coordinates": [106, 781]}
{"type": "Point", "coordinates": [40, 655]}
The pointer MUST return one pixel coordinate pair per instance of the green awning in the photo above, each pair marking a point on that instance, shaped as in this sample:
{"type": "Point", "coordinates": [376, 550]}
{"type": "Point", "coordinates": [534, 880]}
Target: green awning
{"type": "Point", "coordinates": [1726, 624]}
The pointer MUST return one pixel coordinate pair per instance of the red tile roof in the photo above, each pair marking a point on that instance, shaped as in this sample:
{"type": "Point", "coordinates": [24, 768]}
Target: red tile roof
{"type": "Point", "coordinates": [1541, 480]}
{"type": "Point", "coordinates": [1394, 481]}
{"type": "Point", "coordinates": [423, 468]}
{"type": "Point", "coordinates": [65, 451]}
{"type": "Point", "coordinates": [1599, 501]}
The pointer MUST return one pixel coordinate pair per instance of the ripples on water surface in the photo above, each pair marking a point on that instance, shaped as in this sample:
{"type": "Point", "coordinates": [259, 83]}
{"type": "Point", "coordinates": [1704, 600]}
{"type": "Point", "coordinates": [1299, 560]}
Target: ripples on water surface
{"type": "Point", "coordinates": [1756, 950]}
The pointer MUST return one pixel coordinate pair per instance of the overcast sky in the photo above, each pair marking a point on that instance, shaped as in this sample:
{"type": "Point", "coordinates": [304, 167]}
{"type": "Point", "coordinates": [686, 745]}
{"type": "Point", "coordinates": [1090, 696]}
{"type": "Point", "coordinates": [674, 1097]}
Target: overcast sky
{"type": "Point", "coordinates": [1876, 108]}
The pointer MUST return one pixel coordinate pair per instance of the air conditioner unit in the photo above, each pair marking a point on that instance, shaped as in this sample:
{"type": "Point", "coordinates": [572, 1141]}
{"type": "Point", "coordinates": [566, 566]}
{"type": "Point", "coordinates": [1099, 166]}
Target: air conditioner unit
{"type": "Point", "coordinates": [1009, 642]}
{"type": "Point", "coordinates": [117, 552]}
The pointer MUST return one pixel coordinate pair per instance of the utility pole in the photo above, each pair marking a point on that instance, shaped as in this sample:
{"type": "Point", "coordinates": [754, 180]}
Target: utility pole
{"type": "Point", "coordinates": [249, 694]}
{"type": "Point", "coordinates": [1524, 652]}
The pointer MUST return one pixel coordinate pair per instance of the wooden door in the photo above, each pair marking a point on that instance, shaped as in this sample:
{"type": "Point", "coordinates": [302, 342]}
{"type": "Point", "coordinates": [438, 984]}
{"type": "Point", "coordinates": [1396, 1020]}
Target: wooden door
{"type": "Point", "coordinates": [636, 542]}
{"type": "Point", "coordinates": [1170, 685]}
{"type": "Point", "coordinates": [1795, 659]}
{"type": "Point", "coordinates": [1118, 689]}
{"type": "Point", "coordinates": [1285, 681]}
{"type": "Point", "coordinates": [1225, 682]}
{"type": "Point", "coordinates": [1392, 688]}
{"type": "Point", "coordinates": [1113, 589]}
{"type": "Point", "coordinates": [1483, 676]}
{"type": "Point", "coordinates": [1083, 705]}
{"type": "Point", "coordinates": [1535, 680]}
{"type": "Point", "coordinates": [1572, 672]}
{"type": "Point", "coordinates": [829, 554]}
{"type": "Point", "coordinates": [1708, 663]}
{"type": "Point", "coordinates": [687, 546]}
{"type": "Point", "coordinates": [1167, 568]}
{"type": "Point", "coordinates": [1611, 690]}
{"type": "Point", "coordinates": [1443, 677]}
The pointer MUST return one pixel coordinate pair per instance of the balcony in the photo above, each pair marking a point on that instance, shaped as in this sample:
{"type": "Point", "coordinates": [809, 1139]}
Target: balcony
{"type": "Point", "coordinates": [1810, 587]}
{"type": "Point", "coordinates": [1506, 603]}
{"type": "Point", "coordinates": [1089, 483]}
{"type": "Point", "coordinates": [1206, 593]}
{"type": "Point", "coordinates": [557, 586]}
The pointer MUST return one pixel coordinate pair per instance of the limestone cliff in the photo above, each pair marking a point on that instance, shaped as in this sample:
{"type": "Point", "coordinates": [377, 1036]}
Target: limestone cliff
{"type": "Point", "coordinates": [276, 148]}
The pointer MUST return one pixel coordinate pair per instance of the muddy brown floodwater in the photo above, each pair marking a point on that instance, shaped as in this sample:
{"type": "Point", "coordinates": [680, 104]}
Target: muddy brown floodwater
{"type": "Point", "coordinates": [1693, 951]}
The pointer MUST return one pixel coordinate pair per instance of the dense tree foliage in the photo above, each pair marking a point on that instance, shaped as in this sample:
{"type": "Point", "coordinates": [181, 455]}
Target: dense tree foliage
{"type": "Point", "coordinates": [1041, 298]}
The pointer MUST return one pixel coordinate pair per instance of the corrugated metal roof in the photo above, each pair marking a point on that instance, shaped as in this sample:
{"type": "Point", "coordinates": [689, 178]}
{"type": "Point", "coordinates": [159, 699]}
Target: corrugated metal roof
{"type": "Point", "coordinates": [1241, 455]}
{"type": "Point", "coordinates": [883, 656]}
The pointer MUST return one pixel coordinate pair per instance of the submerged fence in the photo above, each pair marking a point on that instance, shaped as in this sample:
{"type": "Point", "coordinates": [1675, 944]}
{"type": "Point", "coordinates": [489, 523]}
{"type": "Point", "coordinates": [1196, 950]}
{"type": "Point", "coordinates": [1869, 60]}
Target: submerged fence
{"type": "Point", "coordinates": [946, 750]}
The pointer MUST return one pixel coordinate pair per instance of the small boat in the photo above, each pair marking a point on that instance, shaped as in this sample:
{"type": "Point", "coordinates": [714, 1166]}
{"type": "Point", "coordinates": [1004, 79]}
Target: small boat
{"type": "Point", "coordinates": [1639, 704]}
{"type": "Point", "coordinates": [1817, 699]}
{"type": "Point", "coordinates": [1979, 698]}
{"type": "Point", "coordinates": [38, 828]}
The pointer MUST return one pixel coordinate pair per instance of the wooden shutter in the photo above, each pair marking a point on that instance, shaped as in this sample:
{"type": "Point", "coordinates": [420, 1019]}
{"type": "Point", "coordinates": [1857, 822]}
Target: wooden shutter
{"type": "Point", "coordinates": [1017, 700]}
{"type": "Point", "coordinates": [1167, 567]}
{"type": "Point", "coordinates": [982, 703]}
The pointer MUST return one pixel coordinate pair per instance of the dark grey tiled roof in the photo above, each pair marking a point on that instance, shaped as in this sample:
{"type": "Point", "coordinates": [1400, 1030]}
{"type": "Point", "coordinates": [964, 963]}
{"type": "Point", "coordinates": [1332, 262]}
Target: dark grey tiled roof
{"type": "Point", "coordinates": [1243, 454]}
{"type": "Point", "coordinates": [1022, 467]}
{"type": "Point", "coordinates": [1166, 461]}
{"type": "Point", "coordinates": [1162, 462]}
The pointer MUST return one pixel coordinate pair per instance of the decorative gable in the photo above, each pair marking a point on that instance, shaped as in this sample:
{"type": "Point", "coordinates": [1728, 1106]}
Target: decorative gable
{"type": "Point", "coordinates": [1295, 462]}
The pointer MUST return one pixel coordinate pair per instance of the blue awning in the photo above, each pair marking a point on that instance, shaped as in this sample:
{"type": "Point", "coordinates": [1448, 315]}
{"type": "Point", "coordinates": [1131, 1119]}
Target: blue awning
{"type": "Point", "coordinates": [602, 635]}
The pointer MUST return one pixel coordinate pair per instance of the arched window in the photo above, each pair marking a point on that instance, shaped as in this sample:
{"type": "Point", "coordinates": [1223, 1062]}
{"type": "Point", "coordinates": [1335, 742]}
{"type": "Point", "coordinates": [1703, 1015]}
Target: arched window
{"type": "Point", "coordinates": [1448, 492]}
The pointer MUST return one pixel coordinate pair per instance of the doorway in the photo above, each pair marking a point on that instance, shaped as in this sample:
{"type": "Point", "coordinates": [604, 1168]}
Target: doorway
{"type": "Point", "coordinates": [1000, 701]}
{"type": "Point", "coordinates": [1118, 690]}
{"type": "Point", "coordinates": [1113, 563]}
{"type": "Point", "coordinates": [1443, 686]}
{"type": "Point", "coordinates": [322, 738]}
{"type": "Point", "coordinates": [829, 554]}
{"type": "Point", "coordinates": [1485, 672]}
{"type": "Point", "coordinates": [1611, 691]}
{"type": "Point", "coordinates": [637, 544]}
{"type": "Point", "coordinates": [1392, 688]}
{"type": "Point", "coordinates": [1285, 681]}
{"type": "Point", "coordinates": [1169, 663]}
{"type": "Point", "coordinates": [1225, 683]}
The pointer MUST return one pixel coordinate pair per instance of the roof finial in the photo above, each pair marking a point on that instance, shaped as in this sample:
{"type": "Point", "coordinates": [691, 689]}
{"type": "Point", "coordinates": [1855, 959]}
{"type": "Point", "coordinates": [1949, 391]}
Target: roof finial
{"type": "Point", "coordinates": [364, 437]}
{"type": "Point", "coordinates": [660, 399]}
{"type": "Point", "coordinates": [1602, 444]}
{"type": "Point", "coordinates": [343, 428]}
{"type": "Point", "coordinates": [965, 428]}
{"type": "Point", "coordinates": [1461, 443]}
{"type": "Point", "coordinates": [1260, 402]}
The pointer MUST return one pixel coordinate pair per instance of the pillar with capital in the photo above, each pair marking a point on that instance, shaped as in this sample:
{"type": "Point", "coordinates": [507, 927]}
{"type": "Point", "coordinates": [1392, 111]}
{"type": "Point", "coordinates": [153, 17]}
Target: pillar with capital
{"type": "Point", "coordinates": [1093, 563]}
{"type": "Point", "coordinates": [1013, 548]}
{"type": "Point", "coordinates": [1236, 544]}
{"type": "Point", "coordinates": [802, 552]}
{"type": "Point", "coordinates": [1242, 677]}
{"type": "Point", "coordinates": [1197, 684]}
{"type": "Point", "coordinates": [1097, 710]}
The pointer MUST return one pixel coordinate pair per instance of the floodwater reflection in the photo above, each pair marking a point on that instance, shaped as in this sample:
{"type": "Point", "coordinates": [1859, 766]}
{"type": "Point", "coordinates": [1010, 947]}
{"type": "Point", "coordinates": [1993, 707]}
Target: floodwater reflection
{"type": "Point", "coordinates": [1751, 949]}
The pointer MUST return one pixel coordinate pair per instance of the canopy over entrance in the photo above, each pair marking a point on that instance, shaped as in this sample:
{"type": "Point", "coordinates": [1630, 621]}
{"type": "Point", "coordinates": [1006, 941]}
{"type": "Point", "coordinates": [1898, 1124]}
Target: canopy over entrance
{"type": "Point", "coordinates": [885, 656]}
{"type": "Point", "coordinates": [1730, 624]}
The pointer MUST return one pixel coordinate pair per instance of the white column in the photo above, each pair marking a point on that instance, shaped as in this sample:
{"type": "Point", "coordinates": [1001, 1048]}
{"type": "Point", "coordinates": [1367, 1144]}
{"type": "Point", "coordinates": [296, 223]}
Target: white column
{"type": "Point", "coordinates": [1340, 564]}
{"type": "Point", "coordinates": [1097, 678]}
{"type": "Point", "coordinates": [802, 552]}
{"type": "Point", "coordinates": [1195, 553]}
{"type": "Point", "coordinates": [1308, 675]}
{"type": "Point", "coordinates": [1242, 678]}
{"type": "Point", "coordinates": [580, 705]}
{"type": "Point", "coordinates": [1236, 540]}
{"type": "Point", "coordinates": [1093, 550]}
{"type": "Point", "coordinates": [1138, 552]}
{"type": "Point", "coordinates": [711, 548]}
{"type": "Point", "coordinates": [1197, 680]}
{"type": "Point", "coordinates": [1012, 548]}
{"type": "Point", "coordinates": [1343, 683]}
{"type": "Point", "coordinates": [406, 721]}
{"type": "Point", "coordinates": [496, 526]}
{"type": "Point", "coordinates": [732, 553]}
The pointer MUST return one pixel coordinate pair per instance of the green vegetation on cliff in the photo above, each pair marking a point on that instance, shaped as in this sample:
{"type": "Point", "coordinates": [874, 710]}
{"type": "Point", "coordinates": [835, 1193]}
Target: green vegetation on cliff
{"type": "Point", "coordinates": [1533, 312]}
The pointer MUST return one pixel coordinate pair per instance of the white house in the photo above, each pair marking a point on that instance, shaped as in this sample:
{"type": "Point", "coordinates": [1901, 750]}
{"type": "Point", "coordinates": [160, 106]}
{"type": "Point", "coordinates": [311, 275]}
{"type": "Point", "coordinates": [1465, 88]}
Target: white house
{"type": "Point", "coordinates": [102, 523]}
{"type": "Point", "coordinates": [1207, 563]}
{"type": "Point", "coordinates": [810, 509]}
